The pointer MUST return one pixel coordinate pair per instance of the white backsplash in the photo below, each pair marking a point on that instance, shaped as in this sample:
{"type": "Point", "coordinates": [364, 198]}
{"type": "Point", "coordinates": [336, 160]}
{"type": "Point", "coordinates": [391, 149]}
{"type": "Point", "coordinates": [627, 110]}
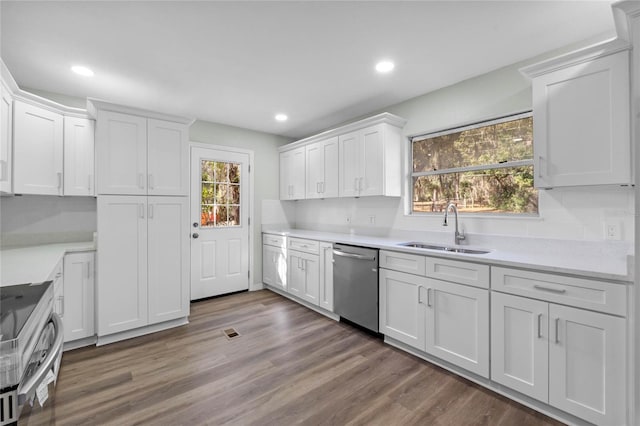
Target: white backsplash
{"type": "Point", "coordinates": [565, 214]}
{"type": "Point", "coordinates": [41, 219]}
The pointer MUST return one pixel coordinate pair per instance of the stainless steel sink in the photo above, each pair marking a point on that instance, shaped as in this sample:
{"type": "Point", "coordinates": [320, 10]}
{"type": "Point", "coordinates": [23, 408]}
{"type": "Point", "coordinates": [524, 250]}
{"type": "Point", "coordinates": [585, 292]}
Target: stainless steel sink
{"type": "Point", "coordinates": [443, 248]}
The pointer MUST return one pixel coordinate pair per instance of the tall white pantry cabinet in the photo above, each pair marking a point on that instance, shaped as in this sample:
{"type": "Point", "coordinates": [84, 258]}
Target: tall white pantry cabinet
{"type": "Point", "coordinates": [143, 219]}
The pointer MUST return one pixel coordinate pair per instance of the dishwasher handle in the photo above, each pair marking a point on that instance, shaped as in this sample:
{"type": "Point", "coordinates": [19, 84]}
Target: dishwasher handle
{"type": "Point", "coordinates": [352, 255]}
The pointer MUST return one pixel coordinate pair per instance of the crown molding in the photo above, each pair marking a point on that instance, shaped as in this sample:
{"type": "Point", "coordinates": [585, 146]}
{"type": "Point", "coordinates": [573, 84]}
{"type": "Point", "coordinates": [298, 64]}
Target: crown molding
{"type": "Point", "coordinates": [383, 118]}
{"type": "Point", "coordinates": [95, 105]}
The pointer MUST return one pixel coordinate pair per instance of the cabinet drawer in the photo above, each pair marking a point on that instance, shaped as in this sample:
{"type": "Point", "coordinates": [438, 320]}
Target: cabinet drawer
{"type": "Point", "coordinates": [403, 262]}
{"type": "Point", "coordinates": [307, 246]}
{"type": "Point", "coordinates": [274, 240]}
{"type": "Point", "coordinates": [459, 272]}
{"type": "Point", "coordinates": [580, 292]}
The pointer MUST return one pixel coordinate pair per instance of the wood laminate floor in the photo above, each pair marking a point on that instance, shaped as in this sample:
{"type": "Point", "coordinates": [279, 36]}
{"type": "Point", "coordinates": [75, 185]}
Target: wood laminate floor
{"type": "Point", "coordinates": [289, 366]}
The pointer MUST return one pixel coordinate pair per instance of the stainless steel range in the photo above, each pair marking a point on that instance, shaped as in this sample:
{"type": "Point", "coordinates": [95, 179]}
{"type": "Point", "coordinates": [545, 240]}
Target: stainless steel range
{"type": "Point", "coordinates": [31, 341]}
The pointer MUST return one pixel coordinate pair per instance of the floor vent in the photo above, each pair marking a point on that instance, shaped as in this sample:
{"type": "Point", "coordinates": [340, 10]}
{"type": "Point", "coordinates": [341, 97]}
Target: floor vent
{"type": "Point", "coordinates": [231, 333]}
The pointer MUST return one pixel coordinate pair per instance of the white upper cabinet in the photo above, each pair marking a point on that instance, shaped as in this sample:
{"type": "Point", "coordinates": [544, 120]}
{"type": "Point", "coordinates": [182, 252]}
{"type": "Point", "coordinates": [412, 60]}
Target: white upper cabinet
{"type": "Point", "coordinates": [358, 159]}
{"type": "Point", "coordinates": [139, 154]}
{"type": "Point", "coordinates": [79, 156]}
{"type": "Point", "coordinates": [581, 121]}
{"type": "Point", "coordinates": [292, 171]}
{"type": "Point", "coordinates": [121, 144]}
{"type": "Point", "coordinates": [168, 158]}
{"type": "Point", "coordinates": [37, 150]}
{"type": "Point", "coordinates": [370, 162]}
{"type": "Point", "coordinates": [322, 169]}
{"type": "Point", "coordinates": [6, 140]}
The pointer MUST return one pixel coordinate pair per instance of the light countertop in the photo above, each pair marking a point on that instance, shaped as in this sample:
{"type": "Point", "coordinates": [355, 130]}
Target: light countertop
{"type": "Point", "coordinates": [582, 258]}
{"type": "Point", "coordinates": [35, 264]}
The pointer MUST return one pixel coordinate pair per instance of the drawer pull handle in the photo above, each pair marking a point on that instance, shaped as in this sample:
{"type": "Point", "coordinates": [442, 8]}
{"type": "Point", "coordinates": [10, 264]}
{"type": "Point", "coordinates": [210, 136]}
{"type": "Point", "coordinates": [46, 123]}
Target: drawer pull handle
{"type": "Point", "coordinates": [553, 290]}
{"type": "Point", "coordinates": [539, 327]}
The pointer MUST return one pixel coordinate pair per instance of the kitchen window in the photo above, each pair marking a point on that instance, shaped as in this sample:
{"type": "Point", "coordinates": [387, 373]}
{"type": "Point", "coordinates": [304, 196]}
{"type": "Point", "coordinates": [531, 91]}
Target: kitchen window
{"type": "Point", "coordinates": [485, 167]}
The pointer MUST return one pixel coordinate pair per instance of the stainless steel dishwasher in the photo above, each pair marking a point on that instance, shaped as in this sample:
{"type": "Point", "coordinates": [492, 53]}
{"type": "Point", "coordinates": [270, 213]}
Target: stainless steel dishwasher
{"type": "Point", "coordinates": [355, 284]}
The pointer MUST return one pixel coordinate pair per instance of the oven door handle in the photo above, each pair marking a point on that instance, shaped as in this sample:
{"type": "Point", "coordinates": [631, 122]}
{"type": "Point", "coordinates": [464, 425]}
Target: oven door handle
{"type": "Point", "coordinates": [27, 388]}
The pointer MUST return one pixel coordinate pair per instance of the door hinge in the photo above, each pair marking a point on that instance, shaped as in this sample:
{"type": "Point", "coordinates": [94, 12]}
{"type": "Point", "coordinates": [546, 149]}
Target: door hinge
{"type": "Point", "coordinates": [248, 274]}
{"type": "Point", "coordinates": [249, 219]}
{"type": "Point", "coordinates": [249, 168]}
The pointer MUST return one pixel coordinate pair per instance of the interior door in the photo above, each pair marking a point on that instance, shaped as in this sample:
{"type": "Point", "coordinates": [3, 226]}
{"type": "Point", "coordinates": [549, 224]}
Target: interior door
{"type": "Point", "coordinates": [219, 222]}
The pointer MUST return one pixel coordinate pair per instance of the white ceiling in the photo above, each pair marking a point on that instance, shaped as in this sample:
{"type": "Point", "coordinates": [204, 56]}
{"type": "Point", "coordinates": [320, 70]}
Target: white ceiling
{"type": "Point", "coordinates": [241, 62]}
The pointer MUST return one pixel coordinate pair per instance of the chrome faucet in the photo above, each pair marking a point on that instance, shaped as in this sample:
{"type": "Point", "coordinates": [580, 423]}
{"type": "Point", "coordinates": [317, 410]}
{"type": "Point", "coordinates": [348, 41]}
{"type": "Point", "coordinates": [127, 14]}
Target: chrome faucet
{"type": "Point", "coordinates": [459, 236]}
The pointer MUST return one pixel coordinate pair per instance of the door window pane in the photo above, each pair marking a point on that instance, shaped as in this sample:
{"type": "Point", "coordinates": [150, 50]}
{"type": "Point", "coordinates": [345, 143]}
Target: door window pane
{"type": "Point", "coordinates": [220, 194]}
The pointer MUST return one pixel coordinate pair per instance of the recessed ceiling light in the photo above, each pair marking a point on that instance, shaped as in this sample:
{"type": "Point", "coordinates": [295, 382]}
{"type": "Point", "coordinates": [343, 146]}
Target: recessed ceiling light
{"type": "Point", "coordinates": [281, 117]}
{"type": "Point", "coordinates": [384, 66]}
{"type": "Point", "coordinates": [79, 69]}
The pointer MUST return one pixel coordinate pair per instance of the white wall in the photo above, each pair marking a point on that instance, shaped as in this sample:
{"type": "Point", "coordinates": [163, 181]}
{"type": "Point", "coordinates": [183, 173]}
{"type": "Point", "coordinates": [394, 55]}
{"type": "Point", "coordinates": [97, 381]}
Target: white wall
{"type": "Point", "coordinates": [568, 213]}
{"type": "Point", "coordinates": [41, 219]}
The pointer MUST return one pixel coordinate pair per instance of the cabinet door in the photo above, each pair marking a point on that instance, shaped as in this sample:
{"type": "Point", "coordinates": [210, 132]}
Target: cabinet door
{"type": "Point", "coordinates": [37, 150]}
{"type": "Point", "coordinates": [79, 156]}
{"type": "Point", "coordinates": [330, 184]}
{"type": "Point", "coordinates": [295, 273]}
{"type": "Point", "coordinates": [122, 263]}
{"type": "Point", "coordinates": [587, 364]}
{"type": "Point", "coordinates": [402, 313]}
{"type": "Point", "coordinates": [168, 258]}
{"type": "Point", "coordinates": [519, 344]}
{"type": "Point", "coordinates": [349, 160]}
{"type": "Point", "coordinates": [168, 162]}
{"type": "Point", "coordinates": [297, 177]}
{"type": "Point", "coordinates": [457, 327]}
{"type": "Point", "coordinates": [326, 276]}
{"type": "Point", "coordinates": [78, 296]}
{"type": "Point", "coordinates": [371, 180]}
{"type": "Point", "coordinates": [268, 264]}
{"type": "Point", "coordinates": [274, 267]}
{"type": "Point", "coordinates": [322, 169]}
{"type": "Point", "coordinates": [581, 124]}
{"type": "Point", "coordinates": [292, 174]}
{"type": "Point", "coordinates": [285, 172]}
{"type": "Point", "coordinates": [311, 284]}
{"type": "Point", "coordinates": [314, 170]}
{"type": "Point", "coordinates": [6, 140]}
{"type": "Point", "coordinates": [121, 147]}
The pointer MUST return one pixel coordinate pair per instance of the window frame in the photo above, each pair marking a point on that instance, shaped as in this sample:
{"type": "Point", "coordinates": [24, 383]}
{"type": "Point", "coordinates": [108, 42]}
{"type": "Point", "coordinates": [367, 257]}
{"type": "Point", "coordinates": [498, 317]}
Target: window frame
{"type": "Point", "coordinates": [492, 166]}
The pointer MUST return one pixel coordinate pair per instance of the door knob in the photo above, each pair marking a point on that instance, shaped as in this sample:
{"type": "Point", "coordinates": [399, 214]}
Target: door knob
{"type": "Point", "coordinates": [195, 224]}
{"type": "Point", "coordinates": [195, 235]}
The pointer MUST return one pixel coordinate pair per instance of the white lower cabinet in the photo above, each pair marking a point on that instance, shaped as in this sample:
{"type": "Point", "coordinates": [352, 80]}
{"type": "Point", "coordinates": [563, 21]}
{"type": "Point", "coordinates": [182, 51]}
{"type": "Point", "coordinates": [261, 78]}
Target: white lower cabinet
{"type": "Point", "coordinates": [326, 276]}
{"type": "Point", "coordinates": [274, 261]}
{"type": "Point", "coordinates": [457, 324]}
{"type": "Point", "coordinates": [274, 266]}
{"type": "Point", "coordinates": [447, 320]}
{"type": "Point", "coordinates": [304, 276]}
{"type": "Point", "coordinates": [79, 281]}
{"type": "Point", "coordinates": [143, 267]}
{"type": "Point", "coordinates": [570, 358]}
{"type": "Point", "coordinates": [304, 268]}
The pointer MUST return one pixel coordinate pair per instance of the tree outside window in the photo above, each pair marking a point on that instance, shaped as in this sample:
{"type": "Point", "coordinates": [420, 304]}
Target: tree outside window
{"type": "Point", "coordinates": [483, 168]}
